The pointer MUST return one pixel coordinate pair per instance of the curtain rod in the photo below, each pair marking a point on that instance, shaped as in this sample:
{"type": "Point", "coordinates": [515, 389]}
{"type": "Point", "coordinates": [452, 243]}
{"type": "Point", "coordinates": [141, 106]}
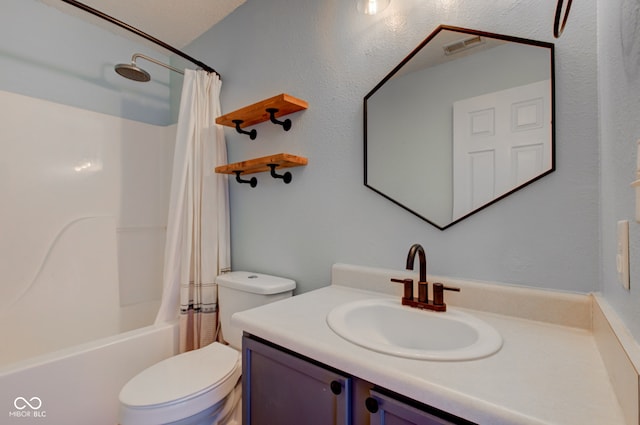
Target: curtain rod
{"type": "Point", "coordinates": [140, 33]}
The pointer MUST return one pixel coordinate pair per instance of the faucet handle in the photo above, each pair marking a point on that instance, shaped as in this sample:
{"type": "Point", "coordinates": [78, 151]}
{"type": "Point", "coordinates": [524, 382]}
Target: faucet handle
{"type": "Point", "coordinates": [438, 293]}
{"type": "Point", "coordinates": [408, 287]}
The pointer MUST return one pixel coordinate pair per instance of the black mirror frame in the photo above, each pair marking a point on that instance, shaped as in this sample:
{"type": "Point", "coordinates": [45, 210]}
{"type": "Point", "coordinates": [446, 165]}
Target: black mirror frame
{"type": "Point", "coordinates": [415, 51]}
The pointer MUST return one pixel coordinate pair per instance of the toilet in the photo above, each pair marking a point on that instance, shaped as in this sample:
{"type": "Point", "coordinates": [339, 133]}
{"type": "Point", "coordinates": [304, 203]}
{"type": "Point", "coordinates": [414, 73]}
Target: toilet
{"type": "Point", "coordinates": [203, 386]}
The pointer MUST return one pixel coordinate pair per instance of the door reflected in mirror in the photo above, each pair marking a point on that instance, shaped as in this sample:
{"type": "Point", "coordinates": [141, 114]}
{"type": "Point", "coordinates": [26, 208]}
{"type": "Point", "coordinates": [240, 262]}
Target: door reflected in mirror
{"type": "Point", "coordinates": [465, 120]}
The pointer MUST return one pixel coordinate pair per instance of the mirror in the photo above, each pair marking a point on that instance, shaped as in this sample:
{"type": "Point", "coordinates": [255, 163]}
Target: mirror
{"type": "Point", "coordinates": [463, 121]}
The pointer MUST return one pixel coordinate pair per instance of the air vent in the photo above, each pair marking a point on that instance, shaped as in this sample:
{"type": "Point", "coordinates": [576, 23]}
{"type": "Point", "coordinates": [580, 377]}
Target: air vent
{"type": "Point", "coordinates": [464, 44]}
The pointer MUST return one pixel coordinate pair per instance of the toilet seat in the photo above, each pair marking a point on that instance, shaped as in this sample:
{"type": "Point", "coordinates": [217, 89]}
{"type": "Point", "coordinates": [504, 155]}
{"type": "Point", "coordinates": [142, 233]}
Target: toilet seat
{"type": "Point", "coordinates": [180, 386]}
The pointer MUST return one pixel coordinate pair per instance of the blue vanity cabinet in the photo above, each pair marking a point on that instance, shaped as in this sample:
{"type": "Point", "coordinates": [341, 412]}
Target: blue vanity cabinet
{"type": "Point", "coordinates": [283, 389]}
{"type": "Point", "coordinates": [385, 410]}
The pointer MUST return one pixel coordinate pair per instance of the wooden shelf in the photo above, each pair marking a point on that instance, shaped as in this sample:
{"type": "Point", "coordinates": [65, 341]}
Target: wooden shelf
{"type": "Point", "coordinates": [256, 113]}
{"type": "Point", "coordinates": [258, 165]}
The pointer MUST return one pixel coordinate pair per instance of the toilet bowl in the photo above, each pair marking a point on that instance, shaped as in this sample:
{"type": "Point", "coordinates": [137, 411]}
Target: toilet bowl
{"type": "Point", "coordinates": [203, 386]}
{"type": "Point", "coordinates": [184, 389]}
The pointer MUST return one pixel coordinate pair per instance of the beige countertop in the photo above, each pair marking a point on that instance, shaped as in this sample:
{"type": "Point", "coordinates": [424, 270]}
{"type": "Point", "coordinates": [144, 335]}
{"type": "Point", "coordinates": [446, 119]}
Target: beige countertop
{"type": "Point", "coordinates": [545, 373]}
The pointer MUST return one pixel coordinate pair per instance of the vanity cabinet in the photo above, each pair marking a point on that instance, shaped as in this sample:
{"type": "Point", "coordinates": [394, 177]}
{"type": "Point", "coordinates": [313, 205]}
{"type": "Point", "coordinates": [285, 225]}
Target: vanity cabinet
{"type": "Point", "coordinates": [282, 387]}
{"type": "Point", "coordinates": [279, 388]}
{"type": "Point", "coordinates": [385, 410]}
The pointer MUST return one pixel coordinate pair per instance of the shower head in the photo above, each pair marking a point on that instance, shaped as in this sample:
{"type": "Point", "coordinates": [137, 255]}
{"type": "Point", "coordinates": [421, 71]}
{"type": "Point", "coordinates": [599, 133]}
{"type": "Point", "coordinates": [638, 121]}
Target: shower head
{"type": "Point", "coordinates": [132, 72]}
{"type": "Point", "coordinates": [135, 73]}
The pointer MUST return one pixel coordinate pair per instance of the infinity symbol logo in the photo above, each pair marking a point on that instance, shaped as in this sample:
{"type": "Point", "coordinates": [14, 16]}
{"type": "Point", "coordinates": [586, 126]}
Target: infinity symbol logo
{"type": "Point", "coordinates": [21, 403]}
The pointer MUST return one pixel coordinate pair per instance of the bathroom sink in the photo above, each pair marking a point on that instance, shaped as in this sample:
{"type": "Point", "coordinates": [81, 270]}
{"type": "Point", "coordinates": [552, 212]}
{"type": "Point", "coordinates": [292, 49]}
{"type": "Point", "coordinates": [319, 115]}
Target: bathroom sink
{"type": "Point", "coordinates": [386, 326]}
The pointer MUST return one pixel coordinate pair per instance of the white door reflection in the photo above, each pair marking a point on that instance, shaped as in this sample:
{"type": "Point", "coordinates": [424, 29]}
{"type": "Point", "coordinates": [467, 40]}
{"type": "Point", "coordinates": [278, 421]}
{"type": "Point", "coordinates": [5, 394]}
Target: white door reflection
{"type": "Point", "coordinates": [499, 142]}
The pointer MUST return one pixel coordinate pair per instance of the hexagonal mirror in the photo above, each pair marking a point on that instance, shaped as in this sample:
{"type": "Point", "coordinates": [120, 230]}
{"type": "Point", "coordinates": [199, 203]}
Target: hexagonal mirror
{"type": "Point", "coordinates": [463, 121]}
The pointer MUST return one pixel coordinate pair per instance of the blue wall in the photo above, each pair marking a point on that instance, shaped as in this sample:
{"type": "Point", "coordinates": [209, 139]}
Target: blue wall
{"type": "Point", "coordinates": [619, 85]}
{"type": "Point", "coordinates": [326, 53]}
{"type": "Point", "coordinates": [47, 54]}
{"type": "Point", "coordinates": [558, 233]}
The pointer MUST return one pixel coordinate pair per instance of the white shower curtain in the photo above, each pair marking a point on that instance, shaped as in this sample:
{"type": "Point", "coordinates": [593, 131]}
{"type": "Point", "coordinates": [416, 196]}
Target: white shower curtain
{"type": "Point", "coordinates": [197, 242]}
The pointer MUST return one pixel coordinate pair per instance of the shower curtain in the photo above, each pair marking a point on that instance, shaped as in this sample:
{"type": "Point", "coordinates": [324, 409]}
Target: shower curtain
{"type": "Point", "coordinates": [197, 241]}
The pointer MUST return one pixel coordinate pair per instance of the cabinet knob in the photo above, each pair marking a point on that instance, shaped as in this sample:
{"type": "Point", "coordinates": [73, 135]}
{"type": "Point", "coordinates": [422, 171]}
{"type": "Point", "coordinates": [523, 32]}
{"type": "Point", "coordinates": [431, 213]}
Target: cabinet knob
{"type": "Point", "coordinates": [336, 387]}
{"type": "Point", "coordinates": [371, 404]}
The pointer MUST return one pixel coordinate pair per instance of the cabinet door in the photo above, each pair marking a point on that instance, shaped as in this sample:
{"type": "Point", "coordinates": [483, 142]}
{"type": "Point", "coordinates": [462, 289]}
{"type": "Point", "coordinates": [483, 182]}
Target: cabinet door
{"type": "Point", "coordinates": [388, 411]}
{"type": "Point", "coordinates": [279, 388]}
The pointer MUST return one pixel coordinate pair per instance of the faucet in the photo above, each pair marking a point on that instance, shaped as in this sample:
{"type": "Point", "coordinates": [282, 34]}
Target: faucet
{"type": "Point", "coordinates": [423, 286]}
{"type": "Point", "coordinates": [422, 258]}
{"type": "Point", "coordinates": [423, 302]}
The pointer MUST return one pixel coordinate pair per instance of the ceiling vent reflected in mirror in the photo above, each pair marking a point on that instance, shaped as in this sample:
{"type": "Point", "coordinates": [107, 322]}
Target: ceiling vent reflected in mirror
{"type": "Point", "coordinates": [459, 46]}
{"type": "Point", "coordinates": [463, 121]}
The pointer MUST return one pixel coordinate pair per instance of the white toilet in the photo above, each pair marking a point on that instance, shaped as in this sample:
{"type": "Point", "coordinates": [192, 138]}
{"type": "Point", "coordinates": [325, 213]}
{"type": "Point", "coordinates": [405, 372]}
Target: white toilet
{"type": "Point", "coordinates": [202, 387]}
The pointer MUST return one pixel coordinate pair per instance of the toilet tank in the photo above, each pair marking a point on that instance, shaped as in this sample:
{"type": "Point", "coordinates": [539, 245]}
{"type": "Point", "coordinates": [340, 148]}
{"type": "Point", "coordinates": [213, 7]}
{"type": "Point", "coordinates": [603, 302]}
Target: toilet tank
{"type": "Point", "coordinates": [238, 291]}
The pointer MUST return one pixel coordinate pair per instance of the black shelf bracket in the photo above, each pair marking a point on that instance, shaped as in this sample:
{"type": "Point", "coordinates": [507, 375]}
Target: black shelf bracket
{"type": "Point", "coordinates": [286, 124]}
{"type": "Point", "coordinates": [286, 177]}
{"type": "Point", "coordinates": [252, 134]}
{"type": "Point", "coordinates": [253, 182]}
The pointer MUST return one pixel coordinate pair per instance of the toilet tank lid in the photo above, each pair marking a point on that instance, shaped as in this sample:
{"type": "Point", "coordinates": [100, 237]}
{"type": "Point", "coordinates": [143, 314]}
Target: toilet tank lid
{"type": "Point", "coordinates": [255, 283]}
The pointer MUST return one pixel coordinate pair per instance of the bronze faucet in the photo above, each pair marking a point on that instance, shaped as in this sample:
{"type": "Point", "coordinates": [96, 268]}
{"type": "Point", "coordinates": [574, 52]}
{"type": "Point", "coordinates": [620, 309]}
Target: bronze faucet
{"type": "Point", "coordinates": [423, 302]}
{"type": "Point", "coordinates": [411, 258]}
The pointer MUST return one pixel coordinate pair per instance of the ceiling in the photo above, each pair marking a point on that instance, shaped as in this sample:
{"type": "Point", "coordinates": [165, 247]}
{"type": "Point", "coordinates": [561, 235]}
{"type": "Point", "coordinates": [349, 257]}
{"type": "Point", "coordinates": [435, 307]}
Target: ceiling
{"type": "Point", "coordinates": [176, 22]}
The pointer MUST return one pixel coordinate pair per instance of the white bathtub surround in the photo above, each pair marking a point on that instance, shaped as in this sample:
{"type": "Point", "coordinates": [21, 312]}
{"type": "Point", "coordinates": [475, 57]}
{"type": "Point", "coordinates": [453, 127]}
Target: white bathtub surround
{"type": "Point", "coordinates": [84, 204]}
{"type": "Point", "coordinates": [197, 244]}
{"type": "Point", "coordinates": [80, 385]}
{"type": "Point", "coordinates": [53, 311]}
{"type": "Point", "coordinates": [547, 372]}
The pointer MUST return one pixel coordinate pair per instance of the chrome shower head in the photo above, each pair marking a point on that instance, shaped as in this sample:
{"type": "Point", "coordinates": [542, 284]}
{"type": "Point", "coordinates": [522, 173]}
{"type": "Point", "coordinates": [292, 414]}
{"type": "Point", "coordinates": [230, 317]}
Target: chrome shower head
{"type": "Point", "coordinates": [135, 73]}
{"type": "Point", "coordinates": [132, 72]}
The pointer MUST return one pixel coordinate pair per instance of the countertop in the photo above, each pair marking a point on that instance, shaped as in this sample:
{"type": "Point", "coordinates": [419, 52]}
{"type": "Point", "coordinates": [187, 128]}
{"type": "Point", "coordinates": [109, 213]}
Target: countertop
{"type": "Point", "coordinates": [543, 374]}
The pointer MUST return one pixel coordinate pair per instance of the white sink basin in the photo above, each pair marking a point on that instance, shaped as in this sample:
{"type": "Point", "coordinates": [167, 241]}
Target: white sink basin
{"type": "Point", "coordinates": [386, 326]}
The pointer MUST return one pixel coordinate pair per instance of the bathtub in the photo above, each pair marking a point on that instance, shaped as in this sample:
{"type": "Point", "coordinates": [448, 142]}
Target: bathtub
{"type": "Point", "coordinates": [68, 342]}
{"type": "Point", "coordinates": [80, 385]}
{"type": "Point", "coordinates": [82, 248]}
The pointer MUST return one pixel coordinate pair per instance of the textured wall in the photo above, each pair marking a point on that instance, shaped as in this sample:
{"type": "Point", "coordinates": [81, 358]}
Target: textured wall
{"type": "Point", "coordinates": [47, 54]}
{"type": "Point", "coordinates": [619, 85]}
{"type": "Point", "coordinates": [325, 52]}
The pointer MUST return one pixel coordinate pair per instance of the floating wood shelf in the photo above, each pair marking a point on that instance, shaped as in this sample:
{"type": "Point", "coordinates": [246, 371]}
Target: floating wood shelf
{"type": "Point", "coordinates": [257, 113]}
{"type": "Point", "coordinates": [258, 165]}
